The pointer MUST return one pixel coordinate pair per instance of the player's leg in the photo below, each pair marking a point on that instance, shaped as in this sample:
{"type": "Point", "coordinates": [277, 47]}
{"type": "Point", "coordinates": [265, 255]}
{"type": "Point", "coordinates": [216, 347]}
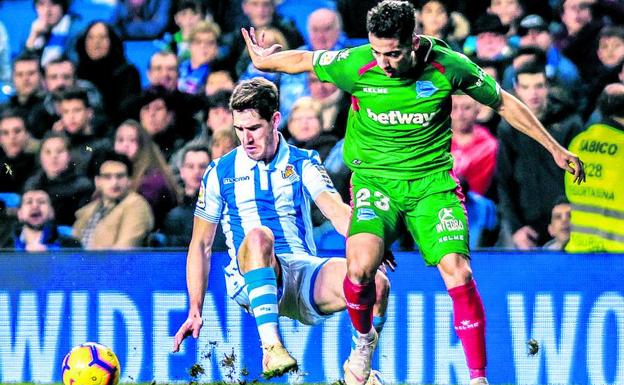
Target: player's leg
{"type": "Point", "coordinates": [372, 223]}
{"type": "Point", "coordinates": [439, 224]}
{"type": "Point", "coordinates": [260, 268]}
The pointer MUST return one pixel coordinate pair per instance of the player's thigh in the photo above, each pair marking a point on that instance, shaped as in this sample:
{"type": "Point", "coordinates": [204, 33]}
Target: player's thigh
{"type": "Point", "coordinates": [440, 226]}
{"type": "Point", "coordinates": [328, 291]}
{"type": "Point", "coordinates": [375, 207]}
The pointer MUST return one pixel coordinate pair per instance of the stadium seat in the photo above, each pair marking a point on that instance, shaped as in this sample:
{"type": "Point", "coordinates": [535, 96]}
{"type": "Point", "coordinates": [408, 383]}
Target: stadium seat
{"type": "Point", "coordinates": [11, 200]}
{"type": "Point", "coordinates": [89, 11]}
{"type": "Point", "coordinates": [65, 231]}
{"type": "Point", "coordinates": [139, 53]}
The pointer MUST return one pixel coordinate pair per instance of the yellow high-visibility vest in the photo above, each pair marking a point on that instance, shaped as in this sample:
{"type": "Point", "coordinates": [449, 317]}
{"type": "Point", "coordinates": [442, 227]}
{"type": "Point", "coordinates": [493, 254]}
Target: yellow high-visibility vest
{"type": "Point", "coordinates": [597, 218]}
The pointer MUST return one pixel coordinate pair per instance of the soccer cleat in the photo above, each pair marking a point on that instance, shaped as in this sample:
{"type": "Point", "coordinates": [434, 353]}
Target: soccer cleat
{"type": "Point", "coordinates": [276, 361]}
{"type": "Point", "coordinates": [374, 378]}
{"type": "Point", "coordinates": [357, 367]}
{"type": "Point", "coordinates": [479, 381]}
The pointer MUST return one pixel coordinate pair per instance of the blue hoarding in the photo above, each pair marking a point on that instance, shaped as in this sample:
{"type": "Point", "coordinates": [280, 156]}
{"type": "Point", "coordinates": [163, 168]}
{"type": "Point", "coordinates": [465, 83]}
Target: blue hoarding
{"type": "Point", "coordinates": [573, 305]}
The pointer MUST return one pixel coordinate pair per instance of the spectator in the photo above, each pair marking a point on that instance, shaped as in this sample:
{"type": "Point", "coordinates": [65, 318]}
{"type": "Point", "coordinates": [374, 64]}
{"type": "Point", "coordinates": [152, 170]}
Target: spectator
{"type": "Point", "coordinates": [437, 20]}
{"type": "Point", "coordinates": [334, 105]}
{"type": "Point", "coordinates": [508, 11]}
{"type": "Point", "coordinates": [534, 32]}
{"type": "Point", "coordinates": [482, 218]}
{"type": "Point", "coordinates": [60, 74]}
{"type": "Point", "coordinates": [204, 48]}
{"type": "Point", "coordinates": [17, 163]}
{"type": "Point", "coordinates": [219, 81]}
{"type": "Point", "coordinates": [525, 170]}
{"type": "Point", "coordinates": [67, 190]}
{"type": "Point", "coordinates": [37, 231]}
{"type": "Point", "coordinates": [28, 99]}
{"type": "Point", "coordinates": [559, 226]}
{"type": "Point", "coordinates": [151, 176]}
{"type": "Point", "coordinates": [188, 14]}
{"type": "Point", "coordinates": [101, 60]}
{"type": "Point", "coordinates": [491, 43]}
{"type": "Point", "coordinates": [141, 19]}
{"type": "Point", "coordinates": [223, 142]}
{"type": "Point", "coordinates": [118, 218]}
{"type": "Point", "coordinates": [487, 117]}
{"type": "Point", "coordinates": [163, 70]}
{"type": "Point", "coordinates": [304, 126]}
{"type": "Point", "coordinates": [77, 123]}
{"type": "Point", "coordinates": [178, 224]}
{"type": "Point", "coordinates": [53, 33]}
{"type": "Point", "coordinates": [325, 33]}
{"type": "Point", "coordinates": [596, 221]}
{"type": "Point", "coordinates": [472, 146]}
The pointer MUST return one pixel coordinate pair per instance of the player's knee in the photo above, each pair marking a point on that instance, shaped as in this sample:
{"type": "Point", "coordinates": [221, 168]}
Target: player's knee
{"type": "Point", "coordinates": [360, 271]}
{"type": "Point", "coordinates": [260, 239]}
{"type": "Point", "coordinates": [258, 249]}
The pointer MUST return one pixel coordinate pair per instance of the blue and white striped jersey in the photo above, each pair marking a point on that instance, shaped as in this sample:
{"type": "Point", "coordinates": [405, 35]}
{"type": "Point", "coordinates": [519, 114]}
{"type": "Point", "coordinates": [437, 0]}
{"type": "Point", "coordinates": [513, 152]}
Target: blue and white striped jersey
{"type": "Point", "coordinates": [244, 194]}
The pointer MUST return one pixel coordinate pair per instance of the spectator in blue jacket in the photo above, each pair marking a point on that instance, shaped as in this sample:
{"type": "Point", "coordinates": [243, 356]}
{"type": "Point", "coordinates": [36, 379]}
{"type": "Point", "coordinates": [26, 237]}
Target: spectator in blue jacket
{"type": "Point", "coordinates": [141, 19]}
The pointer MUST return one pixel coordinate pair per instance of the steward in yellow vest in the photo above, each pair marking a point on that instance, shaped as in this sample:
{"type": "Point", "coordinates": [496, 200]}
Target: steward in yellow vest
{"type": "Point", "coordinates": [597, 219]}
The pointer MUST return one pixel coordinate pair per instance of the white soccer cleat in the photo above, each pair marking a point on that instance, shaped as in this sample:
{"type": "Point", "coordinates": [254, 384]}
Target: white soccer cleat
{"type": "Point", "coordinates": [276, 361]}
{"type": "Point", "coordinates": [375, 378]}
{"type": "Point", "coordinates": [357, 367]}
{"type": "Point", "coordinates": [479, 381]}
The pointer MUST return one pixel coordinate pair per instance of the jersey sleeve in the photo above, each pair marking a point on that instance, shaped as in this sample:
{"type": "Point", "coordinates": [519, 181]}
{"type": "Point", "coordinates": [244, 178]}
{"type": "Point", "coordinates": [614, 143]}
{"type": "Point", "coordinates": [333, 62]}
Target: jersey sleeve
{"type": "Point", "coordinates": [209, 202]}
{"type": "Point", "coordinates": [315, 177]}
{"type": "Point", "coordinates": [468, 77]}
{"type": "Point", "coordinates": [335, 67]}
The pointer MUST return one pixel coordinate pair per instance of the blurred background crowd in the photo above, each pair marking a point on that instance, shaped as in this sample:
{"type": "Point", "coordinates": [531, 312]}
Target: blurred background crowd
{"type": "Point", "coordinates": [145, 84]}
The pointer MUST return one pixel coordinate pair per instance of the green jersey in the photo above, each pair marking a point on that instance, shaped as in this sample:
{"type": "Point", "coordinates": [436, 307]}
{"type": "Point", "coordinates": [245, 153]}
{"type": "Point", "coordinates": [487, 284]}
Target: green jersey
{"type": "Point", "coordinates": [400, 128]}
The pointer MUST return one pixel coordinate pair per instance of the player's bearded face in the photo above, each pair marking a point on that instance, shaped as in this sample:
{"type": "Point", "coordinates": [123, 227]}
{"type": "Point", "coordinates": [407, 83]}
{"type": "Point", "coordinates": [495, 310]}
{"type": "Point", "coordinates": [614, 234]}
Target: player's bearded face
{"type": "Point", "coordinates": [394, 58]}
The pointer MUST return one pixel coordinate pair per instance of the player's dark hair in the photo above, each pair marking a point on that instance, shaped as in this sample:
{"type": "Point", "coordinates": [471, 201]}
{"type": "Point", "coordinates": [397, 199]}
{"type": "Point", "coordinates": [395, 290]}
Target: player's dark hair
{"type": "Point", "coordinates": [529, 68]}
{"type": "Point", "coordinates": [257, 94]}
{"type": "Point", "coordinates": [102, 157]}
{"type": "Point", "coordinates": [611, 101]}
{"type": "Point", "coordinates": [75, 93]}
{"type": "Point", "coordinates": [392, 19]}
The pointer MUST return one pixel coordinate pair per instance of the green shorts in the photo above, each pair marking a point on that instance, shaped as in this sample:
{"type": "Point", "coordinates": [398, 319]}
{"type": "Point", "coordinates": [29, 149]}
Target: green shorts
{"type": "Point", "coordinates": [432, 208]}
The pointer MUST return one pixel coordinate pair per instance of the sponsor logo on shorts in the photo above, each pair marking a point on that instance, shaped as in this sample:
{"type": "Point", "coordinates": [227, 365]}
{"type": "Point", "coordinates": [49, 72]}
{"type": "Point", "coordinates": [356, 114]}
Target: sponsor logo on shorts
{"type": "Point", "coordinates": [290, 174]}
{"type": "Point", "coordinates": [448, 222]}
{"type": "Point", "coordinates": [365, 214]}
{"type": "Point", "coordinates": [425, 89]}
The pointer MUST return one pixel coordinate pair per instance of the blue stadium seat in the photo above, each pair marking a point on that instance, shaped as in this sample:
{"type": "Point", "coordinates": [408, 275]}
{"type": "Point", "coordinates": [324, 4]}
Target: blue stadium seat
{"type": "Point", "coordinates": [298, 11]}
{"type": "Point", "coordinates": [90, 11]}
{"type": "Point", "coordinates": [11, 200]}
{"type": "Point", "coordinates": [139, 53]}
{"type": "Point", "coordinates": [17, 15]}
{"type": "Point", "coordinates": [65, 231]}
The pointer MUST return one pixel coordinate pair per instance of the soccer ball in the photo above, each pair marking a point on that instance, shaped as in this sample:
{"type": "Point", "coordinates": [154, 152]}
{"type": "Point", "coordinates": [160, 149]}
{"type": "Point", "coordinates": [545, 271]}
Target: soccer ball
{"type": "Point", "coordinates": [90, 364]}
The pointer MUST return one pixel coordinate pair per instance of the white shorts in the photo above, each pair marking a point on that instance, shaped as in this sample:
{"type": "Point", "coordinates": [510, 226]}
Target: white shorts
{"type": "Point", "coordinates": [296, 293]}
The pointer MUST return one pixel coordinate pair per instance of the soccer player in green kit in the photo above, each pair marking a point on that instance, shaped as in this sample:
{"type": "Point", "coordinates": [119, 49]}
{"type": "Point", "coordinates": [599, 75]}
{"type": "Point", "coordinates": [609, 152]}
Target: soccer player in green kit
{"type": "Point", "coordinates": [398, 146]}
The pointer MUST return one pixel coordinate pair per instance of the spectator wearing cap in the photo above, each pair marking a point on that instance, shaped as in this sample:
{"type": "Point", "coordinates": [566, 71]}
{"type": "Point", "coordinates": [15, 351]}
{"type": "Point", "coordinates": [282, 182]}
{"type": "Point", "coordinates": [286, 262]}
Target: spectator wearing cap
{"type": "Point", "coordinates": [534, 32]}
{"type": "Point", "coordinates": [491, 43]}
{"type": "Point", "coordinates": [437, 19]}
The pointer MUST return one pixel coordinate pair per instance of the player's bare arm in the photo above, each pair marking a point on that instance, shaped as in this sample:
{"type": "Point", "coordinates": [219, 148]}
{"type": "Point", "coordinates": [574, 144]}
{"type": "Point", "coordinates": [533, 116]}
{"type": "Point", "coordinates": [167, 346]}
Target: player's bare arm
{"type": "Point", "coordinates": [334, 209]}
{"type": "Point", "coordinates": [197, 270]}
{"type": "Point", "coordinates": [522, 119]}
{"type": "Point", "coordinates": [271, 59]}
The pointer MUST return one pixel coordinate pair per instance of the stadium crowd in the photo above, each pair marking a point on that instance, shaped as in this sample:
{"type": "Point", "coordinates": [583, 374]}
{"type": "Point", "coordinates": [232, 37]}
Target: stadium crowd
{"type": "Point", "coordinates": [90, 157]}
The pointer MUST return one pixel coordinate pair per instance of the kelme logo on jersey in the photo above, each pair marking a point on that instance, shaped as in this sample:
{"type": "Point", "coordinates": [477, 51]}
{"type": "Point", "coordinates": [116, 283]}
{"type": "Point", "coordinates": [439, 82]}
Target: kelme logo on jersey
{"type": "Point", "coordinates": [448, 222]}
{"type": "Point", "coordinates": [425, 88]}
{"type": "Point", "coordinates": [398, 117]}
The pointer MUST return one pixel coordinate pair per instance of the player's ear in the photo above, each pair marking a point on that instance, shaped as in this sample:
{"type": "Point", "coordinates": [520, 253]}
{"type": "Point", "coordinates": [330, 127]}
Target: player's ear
{"type": "Point", "coordinates": [276, 119]}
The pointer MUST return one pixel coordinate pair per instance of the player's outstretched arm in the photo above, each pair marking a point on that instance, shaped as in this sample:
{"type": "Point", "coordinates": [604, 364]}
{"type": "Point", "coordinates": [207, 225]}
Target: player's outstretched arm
{"type": "Point", "coordinates": [522, 119]}
{"type": "Point", "coordinates": [272, 60]}
{"type": "Point", "coordinates": [197, 270]}
{"type": "Point", "coordinates": [334, 209]}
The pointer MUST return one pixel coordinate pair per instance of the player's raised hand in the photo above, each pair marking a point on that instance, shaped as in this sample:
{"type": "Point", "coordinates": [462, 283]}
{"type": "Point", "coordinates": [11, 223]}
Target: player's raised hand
{"type": "Point", "coordinates": [255, 47]}
{"type": "Point", "coordinates": [191, 326]}
{"type": "Point", "coordinates": [571, 163]}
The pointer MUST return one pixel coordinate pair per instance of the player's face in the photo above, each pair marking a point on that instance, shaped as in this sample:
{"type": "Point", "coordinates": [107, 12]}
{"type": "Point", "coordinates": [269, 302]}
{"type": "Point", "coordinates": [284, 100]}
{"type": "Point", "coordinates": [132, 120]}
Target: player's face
{"type": "Point", "coordinates": [257, 136]}
{"type": "Point", "coordinates": [113, 181]}
{"type": "Point", "coordinates": [533, 91]}
{"type": "Point", "coordinates": [559, 226]}
{"type": "Point", "coordinates": [393, 58]}
{"type": "Point", "coordinates": [36, 208]}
